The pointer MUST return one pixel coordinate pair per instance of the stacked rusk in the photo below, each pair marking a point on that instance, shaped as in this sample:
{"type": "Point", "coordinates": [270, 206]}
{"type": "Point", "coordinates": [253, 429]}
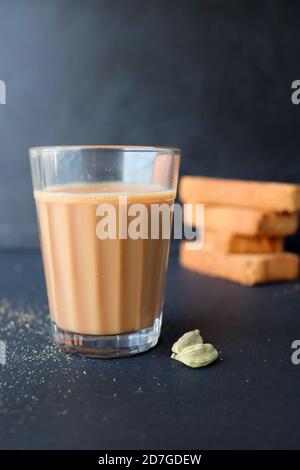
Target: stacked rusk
{"type": "Point", "coordinates": [245, 223]}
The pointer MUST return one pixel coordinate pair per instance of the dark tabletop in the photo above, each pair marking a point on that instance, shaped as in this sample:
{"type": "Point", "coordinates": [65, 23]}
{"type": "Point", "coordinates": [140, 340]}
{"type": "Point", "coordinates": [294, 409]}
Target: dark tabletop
{"type": "Point", "coordinates": [249, 398]}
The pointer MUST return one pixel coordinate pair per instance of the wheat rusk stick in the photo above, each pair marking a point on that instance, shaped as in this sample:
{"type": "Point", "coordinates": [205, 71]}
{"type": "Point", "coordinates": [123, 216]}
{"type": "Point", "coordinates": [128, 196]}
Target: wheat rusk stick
{"type": "Point", "coordinates": [247, 269]}
{"type": "Point", "coordinates": [279, 197]}
{"type": "Point", "coordinates": [231, 243]}
{"type": "Point", "coordinates": [245, 221]}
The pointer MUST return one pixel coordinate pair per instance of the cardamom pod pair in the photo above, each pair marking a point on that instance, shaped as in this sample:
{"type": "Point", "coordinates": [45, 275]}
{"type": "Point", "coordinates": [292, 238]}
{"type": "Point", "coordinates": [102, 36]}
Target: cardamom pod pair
{"type": "Point", "coordinates": [191, 351]}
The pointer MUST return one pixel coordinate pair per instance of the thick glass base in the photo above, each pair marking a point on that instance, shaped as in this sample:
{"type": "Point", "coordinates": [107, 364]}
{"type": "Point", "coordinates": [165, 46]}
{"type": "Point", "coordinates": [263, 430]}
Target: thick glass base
{"type": "Point", "coordinates": [125, 344]}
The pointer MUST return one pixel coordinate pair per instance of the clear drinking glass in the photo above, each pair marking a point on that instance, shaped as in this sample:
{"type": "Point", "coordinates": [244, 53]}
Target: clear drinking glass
{"type": "Point", "coordinates": [105, 287]}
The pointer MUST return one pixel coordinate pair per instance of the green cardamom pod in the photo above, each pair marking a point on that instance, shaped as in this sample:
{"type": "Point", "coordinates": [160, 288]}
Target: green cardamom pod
{"type": "Point", "coordinates": [188, 339]}
{"type": "Point", "coordinates": [197, 355]}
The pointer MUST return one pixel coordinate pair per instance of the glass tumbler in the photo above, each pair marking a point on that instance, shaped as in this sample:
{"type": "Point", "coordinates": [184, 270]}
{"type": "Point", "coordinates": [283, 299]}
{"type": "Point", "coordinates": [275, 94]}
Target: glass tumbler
{"type": "Point", "coordinates": [102, 213]}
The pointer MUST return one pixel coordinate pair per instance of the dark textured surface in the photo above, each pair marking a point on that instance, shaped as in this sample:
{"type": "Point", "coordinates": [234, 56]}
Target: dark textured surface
{"type": "Point", "coordinates": [250, 399]}
{"type": "Point", "coordinates": [212, 77]}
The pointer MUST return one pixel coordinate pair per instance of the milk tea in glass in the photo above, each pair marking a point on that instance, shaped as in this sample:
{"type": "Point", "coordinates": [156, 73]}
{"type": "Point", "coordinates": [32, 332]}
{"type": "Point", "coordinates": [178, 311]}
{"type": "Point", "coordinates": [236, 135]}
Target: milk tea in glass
{"type": "Point", "coordinates": [104, 244]}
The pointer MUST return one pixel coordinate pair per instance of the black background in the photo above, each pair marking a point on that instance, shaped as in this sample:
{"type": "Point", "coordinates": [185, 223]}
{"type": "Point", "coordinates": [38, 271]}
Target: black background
{"type": "Point", "coordinates": [248, 399]}
{"type": "Point", "coordinates": [211, 77]}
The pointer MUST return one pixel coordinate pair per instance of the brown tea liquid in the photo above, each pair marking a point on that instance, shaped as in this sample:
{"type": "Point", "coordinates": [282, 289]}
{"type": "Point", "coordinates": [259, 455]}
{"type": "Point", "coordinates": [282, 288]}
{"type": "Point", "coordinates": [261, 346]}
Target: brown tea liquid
{"type": "Point", "coordinates": [100, 287]}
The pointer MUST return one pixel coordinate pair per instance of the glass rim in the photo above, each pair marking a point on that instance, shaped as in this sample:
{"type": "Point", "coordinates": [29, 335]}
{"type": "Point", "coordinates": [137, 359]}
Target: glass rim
{"type": "Point", "coordinates": [126, 148]}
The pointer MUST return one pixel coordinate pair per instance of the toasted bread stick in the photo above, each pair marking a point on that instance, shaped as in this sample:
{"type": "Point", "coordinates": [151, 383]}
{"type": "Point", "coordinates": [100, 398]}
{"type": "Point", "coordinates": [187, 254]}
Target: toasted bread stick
{"type": "Point", "coordinates": [231, 243]}
{"type": "Point", "coordinates": [244, 221]}
{"type": "Point", "coordinates": [247, 269]}
{"type": "Point", "coordinates": [279, 197]}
